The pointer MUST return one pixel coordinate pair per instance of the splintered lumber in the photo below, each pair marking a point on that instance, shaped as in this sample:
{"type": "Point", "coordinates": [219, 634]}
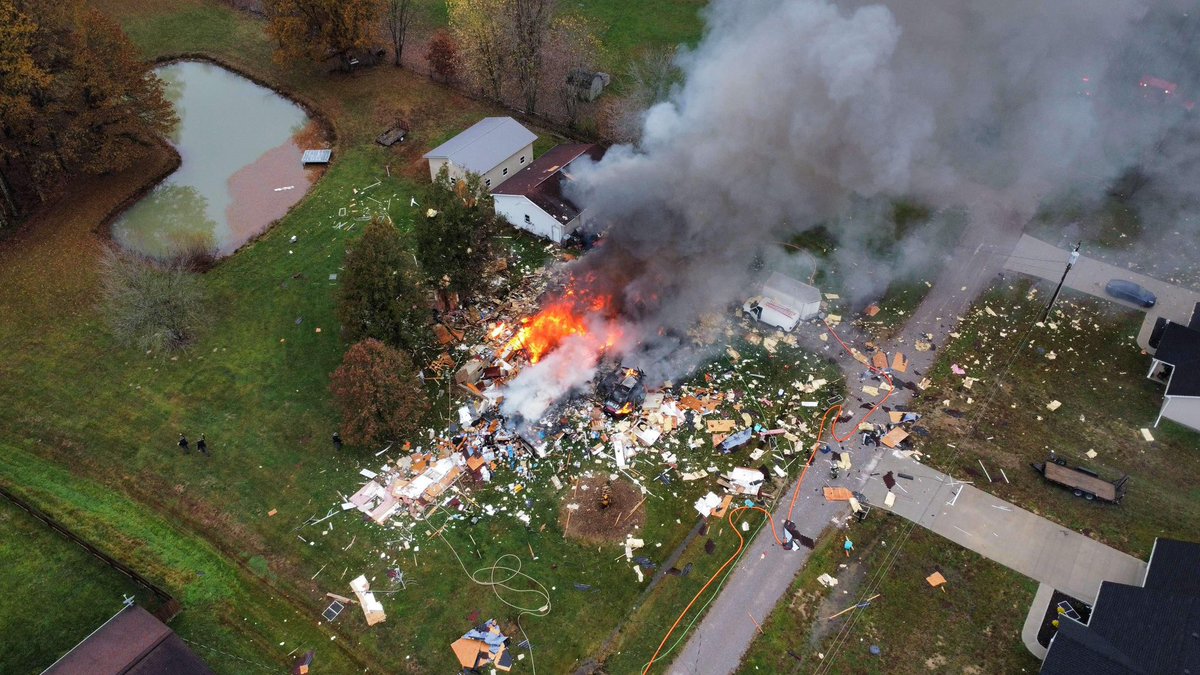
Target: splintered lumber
{"type": "Point", "coordinates": [862, 604]}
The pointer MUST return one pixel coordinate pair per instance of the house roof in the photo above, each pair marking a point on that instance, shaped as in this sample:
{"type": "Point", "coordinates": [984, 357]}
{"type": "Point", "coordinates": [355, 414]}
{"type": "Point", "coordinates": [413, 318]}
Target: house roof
{"type": "Point", "coordinates": [1135, 630]}
{"type": "Point", "coordinates": [1180, 347]}
{"type": "Point", "coordinates": [133, 642]}
{"type": "Point", "coordinates": [542, 181]}
{"type": "Point", "coordinates": [484, 144]}
{"type": "Point", "coordinates": [1174, 565]}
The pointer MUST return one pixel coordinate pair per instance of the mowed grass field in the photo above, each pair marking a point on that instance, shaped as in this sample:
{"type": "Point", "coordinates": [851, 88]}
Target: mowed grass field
{"type": "Point", "coordinates": [1085, 357]}
{"type": "Point", "coordinates": [972, 626]}
{"type": "Point", "coordinates": [89, 427]}
{"type": "Point", "coordinates": [63, 576]}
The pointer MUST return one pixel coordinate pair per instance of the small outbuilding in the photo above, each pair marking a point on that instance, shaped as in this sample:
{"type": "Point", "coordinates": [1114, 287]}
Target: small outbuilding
{"type": "Point", "coordinates": [586, 84]}
{"type": "Point", "coordinates": [133, 641]}
{"type": "Point", "coordinates": [783, 302]}
{"type": "Point", "coordinates": [494, 147]}
{"type": "Point", "coordinates": [533, 200]}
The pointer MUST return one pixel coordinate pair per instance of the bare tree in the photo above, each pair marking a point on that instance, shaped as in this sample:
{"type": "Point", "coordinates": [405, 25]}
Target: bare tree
{"type": "Point", "coordinates": [154, 306]}
{"type": "Point", "coordinates": [530, 23]}
{"type": "Point", "coordinates": [398, 16]}
{"type": "Point", "coordinates": [572, 46]}
{"type": "Point", "coordinates": [649, 79]}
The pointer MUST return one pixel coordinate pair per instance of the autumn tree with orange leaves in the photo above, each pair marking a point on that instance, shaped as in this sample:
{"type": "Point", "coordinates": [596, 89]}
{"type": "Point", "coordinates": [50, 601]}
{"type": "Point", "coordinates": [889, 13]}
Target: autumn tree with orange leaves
{"type": "Point", "coordinates": [322, 29]}
{"type": "Point", "coordinates": [378, 393]}
{"type": "Point", "coordinates": [75, 96]}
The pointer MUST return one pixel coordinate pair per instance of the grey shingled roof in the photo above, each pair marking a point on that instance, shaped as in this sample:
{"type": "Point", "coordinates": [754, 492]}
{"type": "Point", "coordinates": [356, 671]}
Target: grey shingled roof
{"type": "Point", "coordinates": [1180, 347]}
{"type": "Point", "coordinates": [1134, 630]}
{"type": "Point", "coordinates": [484, 144]}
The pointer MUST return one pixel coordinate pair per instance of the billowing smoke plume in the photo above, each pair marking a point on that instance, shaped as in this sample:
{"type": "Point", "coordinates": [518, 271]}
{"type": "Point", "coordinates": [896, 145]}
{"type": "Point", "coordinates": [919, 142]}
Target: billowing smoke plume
{"type": "Point", "coordinates": [796, 113]}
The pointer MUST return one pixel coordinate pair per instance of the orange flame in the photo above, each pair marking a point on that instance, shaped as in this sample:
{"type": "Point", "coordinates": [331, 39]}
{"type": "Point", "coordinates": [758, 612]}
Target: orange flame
{"type": "Point", "coordinates": [495, 332]}
{"type": "Point", "coordinates": [545, 331]}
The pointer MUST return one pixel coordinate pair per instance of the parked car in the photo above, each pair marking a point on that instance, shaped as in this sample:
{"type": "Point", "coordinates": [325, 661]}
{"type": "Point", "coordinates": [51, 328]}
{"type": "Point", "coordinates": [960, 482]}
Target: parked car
{"type": "Point", "coordinates": [1130, 292]}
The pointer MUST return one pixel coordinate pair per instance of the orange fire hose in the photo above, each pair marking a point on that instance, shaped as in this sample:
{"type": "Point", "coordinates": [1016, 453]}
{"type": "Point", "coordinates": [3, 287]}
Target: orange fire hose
{"type": "Point", "coordinates": [812, 455]}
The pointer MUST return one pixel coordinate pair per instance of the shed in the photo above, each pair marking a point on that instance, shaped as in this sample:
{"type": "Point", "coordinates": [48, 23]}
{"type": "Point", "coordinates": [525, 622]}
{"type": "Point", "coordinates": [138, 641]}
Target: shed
{"type": "Point", "coordinates": [316, 156]}
{"type": "Point", "coordinates": [587, 84]}
{"type": "Point", "coordinates": [132, 642]}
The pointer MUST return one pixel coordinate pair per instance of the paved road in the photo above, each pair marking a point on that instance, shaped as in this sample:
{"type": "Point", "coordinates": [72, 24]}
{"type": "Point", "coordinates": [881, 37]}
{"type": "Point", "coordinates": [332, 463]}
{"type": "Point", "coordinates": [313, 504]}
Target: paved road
{"type": "Point", "coordinates": [1037, 258]}
{"type": "Point", "coordinates": [757, 583]}
{"type": "Point", "coordinates": [1034, 546]}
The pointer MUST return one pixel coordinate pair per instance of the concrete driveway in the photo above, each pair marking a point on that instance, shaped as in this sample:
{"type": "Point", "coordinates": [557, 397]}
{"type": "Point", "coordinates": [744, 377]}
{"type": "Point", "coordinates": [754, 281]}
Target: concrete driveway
{"type": "Point", "coordinates": [1037, 258]}
{"type": "Point", "coordinates": [1034, 546]}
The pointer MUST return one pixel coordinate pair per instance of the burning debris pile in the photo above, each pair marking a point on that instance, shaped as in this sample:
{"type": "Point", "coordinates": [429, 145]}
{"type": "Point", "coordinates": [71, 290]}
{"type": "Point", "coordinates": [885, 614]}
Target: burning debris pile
{"type": "Point", "coordinates": [732, 425]}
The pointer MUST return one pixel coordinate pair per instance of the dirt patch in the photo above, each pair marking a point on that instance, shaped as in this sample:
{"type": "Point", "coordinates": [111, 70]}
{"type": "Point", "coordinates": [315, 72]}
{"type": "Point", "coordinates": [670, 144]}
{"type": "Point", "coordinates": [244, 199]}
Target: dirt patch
{"type": "Point", "coordinates": [839, 598]}
{"type": "Point", "coordinates": [583, 518]}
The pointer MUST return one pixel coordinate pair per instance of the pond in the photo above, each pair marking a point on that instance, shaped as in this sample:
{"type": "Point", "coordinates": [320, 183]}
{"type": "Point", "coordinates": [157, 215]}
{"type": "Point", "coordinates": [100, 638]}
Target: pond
{"type": "Point", "coordinates": [241, 145]}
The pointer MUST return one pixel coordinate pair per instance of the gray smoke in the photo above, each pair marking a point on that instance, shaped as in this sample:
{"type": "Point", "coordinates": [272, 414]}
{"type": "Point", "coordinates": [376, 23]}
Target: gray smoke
{"type": "Point", "coordinates": [799, 113]}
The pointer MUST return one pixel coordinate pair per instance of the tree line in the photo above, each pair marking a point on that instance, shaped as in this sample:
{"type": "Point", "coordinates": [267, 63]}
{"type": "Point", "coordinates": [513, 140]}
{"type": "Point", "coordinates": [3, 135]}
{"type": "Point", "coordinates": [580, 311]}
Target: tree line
{"type": "Point", "coordinates": [516, 50]}
{"type": "Point", "coordinates": [75, 98]}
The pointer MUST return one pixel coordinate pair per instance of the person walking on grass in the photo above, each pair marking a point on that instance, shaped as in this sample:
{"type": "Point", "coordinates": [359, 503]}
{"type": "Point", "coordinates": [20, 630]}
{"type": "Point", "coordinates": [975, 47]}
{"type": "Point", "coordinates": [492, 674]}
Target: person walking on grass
{"type": "Point", "coordinates": [337, 441]}
{"type": "Point", "coordinates": [202, 446]}
{"type": "Point", "coordinates": [848, 546]}
{"type": "Point", "coordinates": [183, 444]}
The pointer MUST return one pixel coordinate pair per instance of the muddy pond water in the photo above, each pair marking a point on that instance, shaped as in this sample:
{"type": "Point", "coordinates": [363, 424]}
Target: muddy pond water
{"type": "Point", "coordinates": [241, 145]}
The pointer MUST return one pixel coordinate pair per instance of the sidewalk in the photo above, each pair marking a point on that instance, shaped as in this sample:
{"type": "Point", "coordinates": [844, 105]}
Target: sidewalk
{"type": "Point", "coordinates": [1027, 543]}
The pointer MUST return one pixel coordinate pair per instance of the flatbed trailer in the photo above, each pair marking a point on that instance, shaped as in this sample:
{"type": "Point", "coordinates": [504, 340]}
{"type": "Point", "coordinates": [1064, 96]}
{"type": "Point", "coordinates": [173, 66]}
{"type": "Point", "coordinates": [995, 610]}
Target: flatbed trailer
{"type": "Point", "coordinates": [1083, 482]}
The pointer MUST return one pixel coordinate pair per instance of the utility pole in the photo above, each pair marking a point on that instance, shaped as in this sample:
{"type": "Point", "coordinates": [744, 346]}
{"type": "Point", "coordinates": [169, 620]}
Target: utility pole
{"type": "Point", "coordinates": [1070, 263]}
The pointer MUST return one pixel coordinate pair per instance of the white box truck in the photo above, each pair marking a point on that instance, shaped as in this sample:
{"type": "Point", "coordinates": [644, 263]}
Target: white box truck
{"type": "Point", "coordinates": [783, 302]}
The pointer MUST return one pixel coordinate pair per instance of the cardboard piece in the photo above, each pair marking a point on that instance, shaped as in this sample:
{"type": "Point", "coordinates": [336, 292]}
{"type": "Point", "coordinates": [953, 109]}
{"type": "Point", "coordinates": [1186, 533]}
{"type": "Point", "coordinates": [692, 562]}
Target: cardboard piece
{"type": "Point", "coordinates": [899, 363]}
{"type": "Point", "coordinates": [1053, 405]}
{"type": "Point", "coordinates": [719, 426]}
{"type": "Point", "coordinates": [838, 494]}
{"type": "Point", "coordinates": [894, 437]}
{"type": "Point", "coordinates": [879, 360]}
{"type": "Point", "coordinates": [890, 499]}
{"type": "Point", "coordinates": [936, 579]}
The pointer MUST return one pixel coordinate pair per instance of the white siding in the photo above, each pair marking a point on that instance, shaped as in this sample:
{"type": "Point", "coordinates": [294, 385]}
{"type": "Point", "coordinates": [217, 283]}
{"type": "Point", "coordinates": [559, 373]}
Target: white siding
{"type": "Point", "coordinates": [524, 214]}
{"type": "Point", "coordinates": [1182, 409]}
{"type": "Point", "coordinates": [496, 174]}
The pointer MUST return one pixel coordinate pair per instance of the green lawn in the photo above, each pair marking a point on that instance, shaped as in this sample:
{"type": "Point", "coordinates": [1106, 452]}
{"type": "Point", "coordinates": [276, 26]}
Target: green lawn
{"type": "Point", "coordinates": [1086, 358]}
{"type": "Point", "coordinates": [90, 426]}
{"type": "Point", "coordinates": [974, 626]}
{"type": "Point", "coordinates": [83, 591]}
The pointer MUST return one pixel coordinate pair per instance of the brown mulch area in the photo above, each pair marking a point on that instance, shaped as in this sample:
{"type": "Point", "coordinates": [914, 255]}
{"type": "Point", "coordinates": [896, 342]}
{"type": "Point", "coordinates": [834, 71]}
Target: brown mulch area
{"type": "Point", "coordinates": [625, 514]}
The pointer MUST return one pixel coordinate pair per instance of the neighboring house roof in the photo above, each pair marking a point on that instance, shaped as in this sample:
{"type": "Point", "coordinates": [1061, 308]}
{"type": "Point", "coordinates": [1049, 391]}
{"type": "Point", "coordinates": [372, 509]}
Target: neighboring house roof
{"type": "Point", "coordinates": [1136, 630]}
{"type": "Point", "coordinates": [1194, 324]}
{"type": "Point", "coordinates": [484, 144]}
{"type": "Point", "coordinates": [1174, 565]}
{"type": "Point", "coordinates": [1180, 347]}
{"type": "Point", "coordinates": [542, 181]}
{"type": "Point", "coordinates": [131, 643]}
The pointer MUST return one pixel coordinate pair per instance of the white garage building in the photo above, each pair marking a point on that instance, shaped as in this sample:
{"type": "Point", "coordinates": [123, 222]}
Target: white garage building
{"type": "Point", "coordinates": [533, 199]}
{"type": "Point", "coordinates": [494, 147]}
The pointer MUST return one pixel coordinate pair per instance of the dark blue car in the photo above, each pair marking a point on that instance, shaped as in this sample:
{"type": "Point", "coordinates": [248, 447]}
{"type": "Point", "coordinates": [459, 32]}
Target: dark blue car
{"type": "Point", "coordinates": [1130, 292]}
